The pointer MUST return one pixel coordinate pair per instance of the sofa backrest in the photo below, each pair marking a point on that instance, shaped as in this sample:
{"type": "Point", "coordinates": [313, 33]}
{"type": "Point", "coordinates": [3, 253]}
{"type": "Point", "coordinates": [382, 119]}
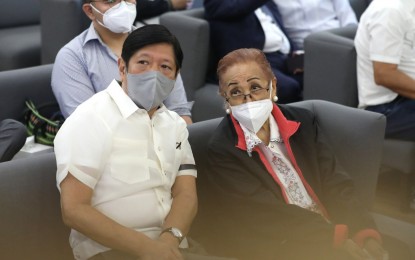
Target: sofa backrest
{"type": "Point", "coordinates": [192, 31]}
{"type": "Point", "coordinates": [18, 85]}
{"type": "Point", "coordinates": [14, 13]}
{"type": "Point", "coordinates": [61, 21]}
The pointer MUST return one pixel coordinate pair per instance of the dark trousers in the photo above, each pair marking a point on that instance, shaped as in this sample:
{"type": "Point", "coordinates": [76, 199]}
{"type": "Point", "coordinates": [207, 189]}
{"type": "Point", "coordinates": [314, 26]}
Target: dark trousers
{"type": "Point", "coordinates": [400, 118]}
{"type": "Point", "coordinates": [289, 87]}
{"type": "Point", "coordinates": [12, 138]}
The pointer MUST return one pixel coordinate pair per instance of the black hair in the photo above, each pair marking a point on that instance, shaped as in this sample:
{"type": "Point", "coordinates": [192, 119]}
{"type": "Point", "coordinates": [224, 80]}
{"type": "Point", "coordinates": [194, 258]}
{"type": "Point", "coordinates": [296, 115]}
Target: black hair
{"type": "Point", "coordinates": [147, 35]}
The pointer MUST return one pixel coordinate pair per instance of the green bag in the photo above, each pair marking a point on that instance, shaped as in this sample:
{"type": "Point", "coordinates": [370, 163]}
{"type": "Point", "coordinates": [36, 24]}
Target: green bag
{"type": "Point", "coordinates": [43, 121]}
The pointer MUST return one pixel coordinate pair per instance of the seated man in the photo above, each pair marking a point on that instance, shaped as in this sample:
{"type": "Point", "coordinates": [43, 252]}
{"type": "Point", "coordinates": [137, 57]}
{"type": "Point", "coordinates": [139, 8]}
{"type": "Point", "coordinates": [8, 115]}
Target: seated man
{"type": "Point", "coordinates": [12, 138]}
{"type": "Point", "coordinates": [385, 41]}
{"type": "Point", "coordinates": [301, 18]}
{"type": "Point", "coordinates": [125, 168]}
{"type": "Point", "coordinates": [255, 24]}
{"type": "Point", "coordinates": [88, 63]}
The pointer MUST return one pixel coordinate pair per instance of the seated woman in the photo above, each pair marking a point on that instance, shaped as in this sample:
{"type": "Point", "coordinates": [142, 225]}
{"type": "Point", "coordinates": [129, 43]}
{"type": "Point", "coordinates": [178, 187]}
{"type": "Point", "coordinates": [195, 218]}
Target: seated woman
{"type": "Point", "coordinates": [277, 191]}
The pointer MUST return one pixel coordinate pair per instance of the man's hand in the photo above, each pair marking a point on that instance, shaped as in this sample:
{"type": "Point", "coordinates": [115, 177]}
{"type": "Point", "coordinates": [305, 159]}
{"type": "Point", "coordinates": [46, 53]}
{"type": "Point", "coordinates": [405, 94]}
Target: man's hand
{"type": "Point", "coordinates": [168, 238]}
{"type": "Point", "coordinates": [160, 250]}
{"type": "Point", "coordinates": [179, 4]}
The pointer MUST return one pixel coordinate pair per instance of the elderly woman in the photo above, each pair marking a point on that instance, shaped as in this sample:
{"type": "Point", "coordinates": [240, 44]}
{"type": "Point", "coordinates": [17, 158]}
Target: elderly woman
{"type": "Point", "coordinates": [279, 193]}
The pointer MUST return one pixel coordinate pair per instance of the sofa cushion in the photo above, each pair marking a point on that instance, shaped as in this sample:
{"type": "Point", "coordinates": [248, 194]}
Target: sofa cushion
{"type": "Point", "coordinates": [20, 47]}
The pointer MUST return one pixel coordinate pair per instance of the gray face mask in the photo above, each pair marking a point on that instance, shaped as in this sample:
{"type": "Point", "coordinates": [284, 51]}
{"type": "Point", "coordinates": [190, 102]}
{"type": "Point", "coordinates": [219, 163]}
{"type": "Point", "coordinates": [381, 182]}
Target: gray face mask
{"type": "Point", "coordinates": [149, 89]}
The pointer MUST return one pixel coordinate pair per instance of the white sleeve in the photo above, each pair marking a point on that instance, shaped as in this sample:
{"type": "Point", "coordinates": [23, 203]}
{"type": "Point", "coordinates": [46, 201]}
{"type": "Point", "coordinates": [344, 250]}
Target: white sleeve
{"type": "Point", "coordinates": [187, 164]}
{"type": "Point", "coordinates": [386, 38]}
{"type": "Point", "coordinates": [81, 147]}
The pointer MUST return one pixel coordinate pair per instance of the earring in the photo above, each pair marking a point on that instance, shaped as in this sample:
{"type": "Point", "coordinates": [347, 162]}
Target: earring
{"type": "Point", "coordinates": [228, 111]}
{"type": "Point", "coordinates": [275, 98]}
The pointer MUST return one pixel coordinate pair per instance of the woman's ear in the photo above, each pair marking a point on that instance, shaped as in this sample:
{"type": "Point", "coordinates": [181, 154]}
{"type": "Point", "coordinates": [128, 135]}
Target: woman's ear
{"type": "Point", "coordinates": [274, 86]}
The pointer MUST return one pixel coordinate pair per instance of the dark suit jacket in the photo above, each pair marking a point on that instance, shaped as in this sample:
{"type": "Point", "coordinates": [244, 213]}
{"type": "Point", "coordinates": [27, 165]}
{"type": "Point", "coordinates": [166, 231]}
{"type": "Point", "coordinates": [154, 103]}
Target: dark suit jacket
{"type": "Point", "coordinates": [234, 25]}
{"type": "Point", "coordinates": [151, 8]}
{"type": "Point", "coordinates": [250, 218]}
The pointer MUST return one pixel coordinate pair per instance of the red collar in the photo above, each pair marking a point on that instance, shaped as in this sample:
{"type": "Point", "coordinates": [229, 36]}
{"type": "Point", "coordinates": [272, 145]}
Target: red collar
{"type": "Point", "coordinates": [287, 127]}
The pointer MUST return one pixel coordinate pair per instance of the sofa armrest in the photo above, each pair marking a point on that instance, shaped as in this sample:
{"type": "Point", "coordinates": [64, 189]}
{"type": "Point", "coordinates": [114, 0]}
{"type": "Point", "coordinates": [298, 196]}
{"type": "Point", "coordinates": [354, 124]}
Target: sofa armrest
{"type": "Point", "coordinates": [18, 85]}
{"type": "Point", "coordinates": [30, 216]}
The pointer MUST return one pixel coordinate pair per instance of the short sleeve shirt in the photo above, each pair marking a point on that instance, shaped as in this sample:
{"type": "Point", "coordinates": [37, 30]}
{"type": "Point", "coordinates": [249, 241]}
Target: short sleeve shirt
{"type": "Point", "coordinates": [386, 33]}
{"type": "Point", "coordinates": [130, 161]}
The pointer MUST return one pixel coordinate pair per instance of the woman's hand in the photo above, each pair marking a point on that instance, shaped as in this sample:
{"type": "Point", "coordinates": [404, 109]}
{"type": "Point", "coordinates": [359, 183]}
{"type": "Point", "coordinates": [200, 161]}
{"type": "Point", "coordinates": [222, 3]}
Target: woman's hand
{"type": "Point", "coordinates": [354, 250]}
{"type": "Point", "coordinates": [371, 251]}
{"type": "Point", "coordinates": [375, 250]}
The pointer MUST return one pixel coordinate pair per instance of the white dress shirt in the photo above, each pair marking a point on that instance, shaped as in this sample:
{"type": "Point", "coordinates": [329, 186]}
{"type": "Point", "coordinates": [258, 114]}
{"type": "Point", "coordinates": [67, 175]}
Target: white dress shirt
{"type": "Point", "coordinates": [275, 39]}
{"type": "Point", "coordinates": [129, 160]}
{"type": "Point", "coordinates": [302, 17]}
{"type": "Point", "coordinates": [386, 33]}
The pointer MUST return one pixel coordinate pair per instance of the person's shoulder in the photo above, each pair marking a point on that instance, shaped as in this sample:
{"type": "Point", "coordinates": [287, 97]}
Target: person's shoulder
{"type": "Point", "coordinates": [172, 117]}
{"type": "Point", "coordinates": [381, 9]}
{"type": "Point", "coordinates": [292, 112]}
{"type": "Point", "coordinates": [73, 48]}
{"type": "Point", "coordinates": [98, 105]}
{"type": "Point", "coordinates": [224, 131]}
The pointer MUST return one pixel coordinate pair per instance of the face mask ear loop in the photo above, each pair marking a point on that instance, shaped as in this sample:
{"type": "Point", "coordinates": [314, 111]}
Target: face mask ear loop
{"type": "Point", "coordinates": [98, 21]}
{"type": "Point", "coordinates": [93, 7]}
{"type": "Point", "coordinates": [270, 89]}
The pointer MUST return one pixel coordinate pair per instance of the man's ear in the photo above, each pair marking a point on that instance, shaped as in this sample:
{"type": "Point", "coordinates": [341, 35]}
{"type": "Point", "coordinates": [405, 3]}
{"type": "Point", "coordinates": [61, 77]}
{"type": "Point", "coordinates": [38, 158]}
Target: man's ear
{"type": "Point", "coordinates": [177, 73]}
{"type": "Point", "coordinates": [122, 69]}
{"type": "Point", "coordinates": [88, 11]}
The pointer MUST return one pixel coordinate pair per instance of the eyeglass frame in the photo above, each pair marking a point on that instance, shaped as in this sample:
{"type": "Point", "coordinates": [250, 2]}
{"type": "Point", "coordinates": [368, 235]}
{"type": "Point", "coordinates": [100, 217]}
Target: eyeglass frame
{"type": "Point", "coordinates": [235, 98]}
{"type": "Point", "coordinates": [114, 2]}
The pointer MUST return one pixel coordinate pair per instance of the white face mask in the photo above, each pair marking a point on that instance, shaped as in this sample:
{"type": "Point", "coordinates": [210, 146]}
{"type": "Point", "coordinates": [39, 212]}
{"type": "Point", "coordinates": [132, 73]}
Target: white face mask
{"type": "Point", "coordinates": [149, 89]}
{"type": "Point", "coordinates": [253, 115]}
{"type": "Point", "coordinates": [119, 18]}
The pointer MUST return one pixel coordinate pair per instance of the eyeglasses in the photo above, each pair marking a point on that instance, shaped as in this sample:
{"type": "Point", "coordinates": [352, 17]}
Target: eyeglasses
{"type": "Point", "coordinates": [112, 3]}
{"type": "Point", "coordinates": [255, 93]}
